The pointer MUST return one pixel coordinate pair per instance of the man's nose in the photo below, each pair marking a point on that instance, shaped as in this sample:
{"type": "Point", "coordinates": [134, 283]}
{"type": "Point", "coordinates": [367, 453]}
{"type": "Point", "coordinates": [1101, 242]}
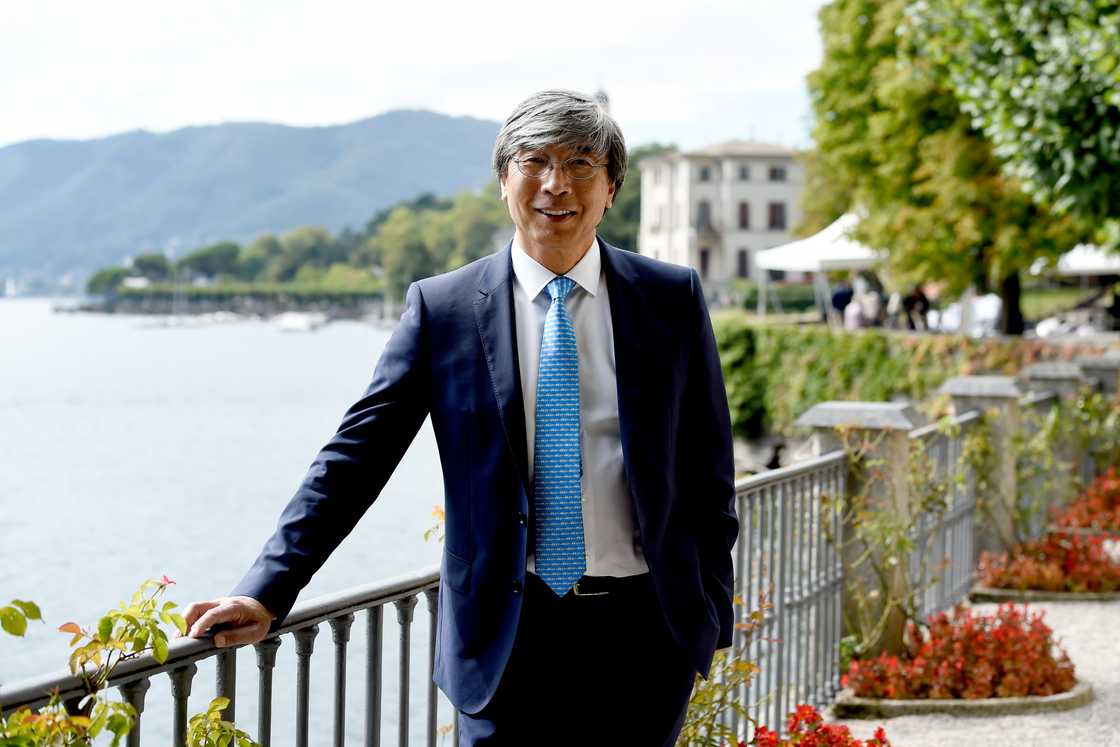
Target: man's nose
{"type": "Point", "coordinates": [557, 181]}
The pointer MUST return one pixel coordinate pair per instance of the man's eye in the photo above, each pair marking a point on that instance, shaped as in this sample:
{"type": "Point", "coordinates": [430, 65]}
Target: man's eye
{"type": "Point", "coordinates": [535, 160]}
{"type": "Point", "coordinates": [581, 163]}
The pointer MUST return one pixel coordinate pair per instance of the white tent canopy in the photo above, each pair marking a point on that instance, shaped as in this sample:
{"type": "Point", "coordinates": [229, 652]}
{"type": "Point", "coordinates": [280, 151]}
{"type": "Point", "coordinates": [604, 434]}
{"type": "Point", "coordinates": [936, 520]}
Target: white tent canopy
{"type": "Point", "coordinates": [1083, 259]}
{"type": "Point", "coordinates": [830, 249]}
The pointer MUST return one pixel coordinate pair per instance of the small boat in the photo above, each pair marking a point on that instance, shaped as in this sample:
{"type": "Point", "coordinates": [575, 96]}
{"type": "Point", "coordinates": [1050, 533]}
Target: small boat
{"type": "Point", "coordinates": [299, 321]}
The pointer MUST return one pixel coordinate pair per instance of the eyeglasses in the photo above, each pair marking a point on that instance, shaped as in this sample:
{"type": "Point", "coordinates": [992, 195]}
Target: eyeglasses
{"type": "Point", "coordinates": [538, 166]}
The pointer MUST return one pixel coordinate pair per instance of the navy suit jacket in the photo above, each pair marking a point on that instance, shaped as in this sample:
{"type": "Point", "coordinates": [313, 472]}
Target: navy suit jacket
{"type": "Point", "coordinates": [454, 356]}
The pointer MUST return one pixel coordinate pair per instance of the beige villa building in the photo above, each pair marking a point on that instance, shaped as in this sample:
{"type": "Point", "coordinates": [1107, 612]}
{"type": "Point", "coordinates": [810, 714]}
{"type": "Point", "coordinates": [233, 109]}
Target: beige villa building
{"type": "Point", "coordinates": [713, 208]}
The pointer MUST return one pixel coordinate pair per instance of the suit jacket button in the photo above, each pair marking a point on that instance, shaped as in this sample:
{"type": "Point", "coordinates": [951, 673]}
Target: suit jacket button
{"type": "Point", "coordinates": [522, 519]}
{"type": "Point", "coordinates": [516, 587]}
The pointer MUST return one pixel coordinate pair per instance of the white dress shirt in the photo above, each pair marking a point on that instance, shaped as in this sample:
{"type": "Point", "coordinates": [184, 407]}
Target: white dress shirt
{"type": "Point", "coordinates": [610, 532]}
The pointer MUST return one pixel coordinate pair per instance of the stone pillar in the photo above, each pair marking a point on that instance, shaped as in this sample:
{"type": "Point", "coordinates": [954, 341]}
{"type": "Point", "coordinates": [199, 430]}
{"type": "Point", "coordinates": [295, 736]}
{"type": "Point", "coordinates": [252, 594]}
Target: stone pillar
{"type": "Point", "coordinates": [1105, 369]}
{"type": "Point", "coordinates": [884, 427]}
{"type": "Point", "coordinates": [997, 398]}
{"type": "Point", "coordinates": [1062, 377]}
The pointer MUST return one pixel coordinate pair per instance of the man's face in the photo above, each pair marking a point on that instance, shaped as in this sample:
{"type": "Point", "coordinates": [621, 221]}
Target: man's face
{"type": "Point", "coordinates": [556, 213]}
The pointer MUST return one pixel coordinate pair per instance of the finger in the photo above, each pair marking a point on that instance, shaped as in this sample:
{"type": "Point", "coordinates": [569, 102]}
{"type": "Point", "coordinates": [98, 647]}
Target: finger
{"type": "Point", "coordinates": [241, 635]}
{"type": "Point", "coordinates": [195, 609]}
{"type": "Point", "coordinates": [214, 616]}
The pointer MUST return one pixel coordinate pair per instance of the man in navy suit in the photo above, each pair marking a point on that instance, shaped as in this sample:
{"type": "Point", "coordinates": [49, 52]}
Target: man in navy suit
{"type": "Point", "coordinates": [564, 378]}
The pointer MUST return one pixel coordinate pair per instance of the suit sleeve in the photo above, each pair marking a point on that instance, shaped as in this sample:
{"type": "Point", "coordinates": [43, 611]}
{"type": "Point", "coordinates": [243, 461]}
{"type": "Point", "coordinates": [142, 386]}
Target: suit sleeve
{"type": "Point", "coordinates": [707, 436]}
{"type": "Point", "coordinates": [350, 470]}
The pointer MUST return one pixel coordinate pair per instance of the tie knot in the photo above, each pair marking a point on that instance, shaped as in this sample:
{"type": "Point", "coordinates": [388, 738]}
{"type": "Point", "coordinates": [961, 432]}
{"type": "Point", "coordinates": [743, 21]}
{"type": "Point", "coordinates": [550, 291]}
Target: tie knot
{"type": "Point", "coordinates": [559, 287]}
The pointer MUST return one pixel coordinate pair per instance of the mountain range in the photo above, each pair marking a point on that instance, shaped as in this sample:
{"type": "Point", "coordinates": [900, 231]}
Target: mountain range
{"type": "Point", "coordinates": [74, 206]}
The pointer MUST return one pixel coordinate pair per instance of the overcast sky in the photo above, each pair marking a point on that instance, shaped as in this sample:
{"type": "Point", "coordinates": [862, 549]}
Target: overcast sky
{"type": "Point", "coordinates": [686, 73]}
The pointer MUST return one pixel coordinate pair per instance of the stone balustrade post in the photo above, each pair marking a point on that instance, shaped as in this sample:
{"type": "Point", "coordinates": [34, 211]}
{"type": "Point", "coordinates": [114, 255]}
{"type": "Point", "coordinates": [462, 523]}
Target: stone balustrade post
{"type": "Point", "coordinates": [1062, 377]}
{"type": "Point", "coordinates": [883, 429]}
{"type": "Point", "coordinates": [1105, 369]}
{"type": "Point", "coordinates": [998, 399]}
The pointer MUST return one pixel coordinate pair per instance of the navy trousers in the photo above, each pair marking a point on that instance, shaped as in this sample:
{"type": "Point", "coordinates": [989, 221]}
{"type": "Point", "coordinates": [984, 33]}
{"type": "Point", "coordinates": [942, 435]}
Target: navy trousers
{"type": "Point", "coordinates": [594, 670]}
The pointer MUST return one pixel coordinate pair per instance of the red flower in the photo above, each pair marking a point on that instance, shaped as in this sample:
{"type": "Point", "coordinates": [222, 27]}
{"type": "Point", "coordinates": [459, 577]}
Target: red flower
{"type": "Point", "coordinates": [166, 581]}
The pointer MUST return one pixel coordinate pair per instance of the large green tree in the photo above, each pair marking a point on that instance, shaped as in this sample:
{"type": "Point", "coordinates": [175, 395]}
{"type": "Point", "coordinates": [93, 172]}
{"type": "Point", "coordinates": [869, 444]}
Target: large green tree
{"type": "Point", "coordinates": [1042, 80]}
{"type": "Point", "coordinates": [893, 144]}
{"type": "Point", "coordinates": [153, 265]}
{"type": "Point", "coordinates": [213, 260]}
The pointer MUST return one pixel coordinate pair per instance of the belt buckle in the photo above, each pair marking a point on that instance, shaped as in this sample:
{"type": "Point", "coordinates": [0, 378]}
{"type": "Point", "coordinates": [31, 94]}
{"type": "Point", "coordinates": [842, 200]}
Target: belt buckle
{"type": "Point", "coordinates": [578, 593]}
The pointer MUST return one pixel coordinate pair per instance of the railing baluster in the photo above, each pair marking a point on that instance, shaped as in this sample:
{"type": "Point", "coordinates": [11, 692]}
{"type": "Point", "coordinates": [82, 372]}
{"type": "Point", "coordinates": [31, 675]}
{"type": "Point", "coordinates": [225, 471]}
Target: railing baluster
{"type": "Point", "coordinates": [340, 634]}
{"type": "Point", "coordinates": [374, 617]}
{"type": "Point", "coordinates": [227, 681]}
{"type": "Point", "coordinates": [266, 662]}
{"type": "Point", "coordinates": [404, 617]}
{"type": "Point", "coordinates": [133, 693]}
{"type": "Point", "coordinates": [432, 598]}
{"type": "Point", "coordinates": [305, 646]}
{"type": "Point", "coordinates": [181, 678]}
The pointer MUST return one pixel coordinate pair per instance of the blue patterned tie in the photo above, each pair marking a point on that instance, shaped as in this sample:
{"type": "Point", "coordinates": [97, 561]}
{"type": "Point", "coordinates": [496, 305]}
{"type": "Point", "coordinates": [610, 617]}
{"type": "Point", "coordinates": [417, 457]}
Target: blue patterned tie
{"type": "Point", "coordinates": [557, 460]}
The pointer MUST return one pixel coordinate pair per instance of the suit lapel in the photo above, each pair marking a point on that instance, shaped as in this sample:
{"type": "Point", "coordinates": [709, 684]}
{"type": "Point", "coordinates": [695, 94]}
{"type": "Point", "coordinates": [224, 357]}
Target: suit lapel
{"type": "Point", "coordinates": [494, 315]}
{"type": "Point", "coordinates": [627, 313]}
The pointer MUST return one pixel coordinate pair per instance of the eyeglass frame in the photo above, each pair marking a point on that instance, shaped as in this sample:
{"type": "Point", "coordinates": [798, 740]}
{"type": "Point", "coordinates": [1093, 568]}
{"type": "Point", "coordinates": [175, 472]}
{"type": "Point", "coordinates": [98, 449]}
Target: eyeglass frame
{"type": "Point", "coordinates": [552, 165]}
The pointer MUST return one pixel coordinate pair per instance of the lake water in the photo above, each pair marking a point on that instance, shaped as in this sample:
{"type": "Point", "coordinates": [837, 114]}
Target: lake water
{"type": "Point", "coordinates": [130, 450]}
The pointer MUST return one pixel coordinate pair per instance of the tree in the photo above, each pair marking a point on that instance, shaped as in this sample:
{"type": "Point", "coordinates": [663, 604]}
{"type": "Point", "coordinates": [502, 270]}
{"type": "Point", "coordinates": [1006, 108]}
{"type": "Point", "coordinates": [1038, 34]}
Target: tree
{"type": "Point", "coordinates": [1042, 80]}
{"type": "Point", "coordinates": [106, 280]}
{"type": "Point", "coordinates": [213, 260]}
{"type": "Point", "coordinates": [405, 256]}
{"type": "Point", "coordinates": [152, 265]}
{"type": "Point", "coordinates": [894, 145]}
{"type": "Point", "coordinates": [308, 245]}
{"type": "Point", "coordinates": [255, 257]}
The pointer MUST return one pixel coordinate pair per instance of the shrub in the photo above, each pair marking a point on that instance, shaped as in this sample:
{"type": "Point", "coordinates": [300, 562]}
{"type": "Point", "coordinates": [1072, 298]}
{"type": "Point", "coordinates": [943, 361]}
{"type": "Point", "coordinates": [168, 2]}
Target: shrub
{"type": "Point", "coordinates": [774, 373]}
{"type": "Point", "coordinates": [1097, 508]}
{"type": "Point", "coordinates": [806, 727]}
{"type": "Point", "coordinates": [968, 656]}
{"type": "Point", "coordinates": [1058, 562]}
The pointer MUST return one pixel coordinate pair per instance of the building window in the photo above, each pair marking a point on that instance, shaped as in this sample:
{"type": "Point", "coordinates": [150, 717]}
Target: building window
{"type": "Point", "coordinates": [658, 218]}
{"type": "Point", "coordinates": [705, 174]}
{"type": "Point", "coordinates": [777, 216]}
{"type": "Point", "coordinates": [704, 216]}
{"type": "Point", "coordinates": [744, 268]}
{"type": "Point", "coordinates": [705, 256]}
{"type": "Point", "coordinates": [744, 215]}
{"type": "Point", "coordinates": [777, 173]}
{"type": "Point", "coordinates": [777, 275]}
{"type": "Point", "coordinates": [744, 173]}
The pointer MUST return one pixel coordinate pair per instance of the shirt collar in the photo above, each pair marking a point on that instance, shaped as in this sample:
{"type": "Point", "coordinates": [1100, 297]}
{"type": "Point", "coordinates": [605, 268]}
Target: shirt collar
{"type": "Point", "coordinates": [533, 276]}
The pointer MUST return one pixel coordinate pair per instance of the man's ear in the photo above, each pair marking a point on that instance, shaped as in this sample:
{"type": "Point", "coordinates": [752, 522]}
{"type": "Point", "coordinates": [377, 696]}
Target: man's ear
{"type": "Point", "coordinates": [502, 186]}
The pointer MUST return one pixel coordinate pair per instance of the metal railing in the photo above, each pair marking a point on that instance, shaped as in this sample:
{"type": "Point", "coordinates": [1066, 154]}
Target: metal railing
{"type": "Point", "coordinates": [133, 677]}
{"type": "Point", "coordinates": [784, 556]}
{"type": "Point", "coordinates": [943, 564]}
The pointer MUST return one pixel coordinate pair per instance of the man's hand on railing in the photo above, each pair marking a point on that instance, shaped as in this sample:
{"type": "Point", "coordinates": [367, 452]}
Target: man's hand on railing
{"type": "Point", "coordinates": [239, 620]}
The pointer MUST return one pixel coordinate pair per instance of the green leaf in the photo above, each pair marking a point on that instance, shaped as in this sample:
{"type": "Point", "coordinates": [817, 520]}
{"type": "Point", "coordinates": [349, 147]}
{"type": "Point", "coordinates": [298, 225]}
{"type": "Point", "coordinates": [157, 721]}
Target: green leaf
{"type": "Point", "coordinates": [13, 621]}
{"type": "Point", "coordinates": [105, 629]}
{"type": "Point", "coordinates": [30, 609]}
{"type": "Point", "coordinates": [159, 649]}
{"type": "Point", "coordinates": [179, 622]}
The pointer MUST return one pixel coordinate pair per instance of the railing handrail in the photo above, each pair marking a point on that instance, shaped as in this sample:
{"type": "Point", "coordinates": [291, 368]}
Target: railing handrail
{"type": "Point", "coordinates": [763, 479]}
{"type": "Point", "coordinates": [184, 651]}
{"type": "Point", "coordinates": [963, 419]}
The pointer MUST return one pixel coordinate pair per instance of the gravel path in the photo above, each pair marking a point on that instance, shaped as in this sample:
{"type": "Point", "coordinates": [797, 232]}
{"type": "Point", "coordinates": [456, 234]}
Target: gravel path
{"type": "Point", "coordinates": [1090, 633]}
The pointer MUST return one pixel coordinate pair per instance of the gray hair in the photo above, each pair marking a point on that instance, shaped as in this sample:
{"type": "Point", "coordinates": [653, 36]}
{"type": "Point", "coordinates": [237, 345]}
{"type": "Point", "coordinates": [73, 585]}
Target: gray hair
{"type": "Point", "coordinates": [560, 117]}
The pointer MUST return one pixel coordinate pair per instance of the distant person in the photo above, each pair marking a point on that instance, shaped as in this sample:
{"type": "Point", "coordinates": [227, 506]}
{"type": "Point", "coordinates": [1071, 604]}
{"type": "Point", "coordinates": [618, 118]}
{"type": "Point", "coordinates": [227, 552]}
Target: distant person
{"type": "Point", "coordinates": [853, 316]}
{"type": "Point", "coordinates": [842, 296]}
{"type": "Point", "coordinates": [577, 400]}
{"type": "Point", "coordinates": [916, 308]}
